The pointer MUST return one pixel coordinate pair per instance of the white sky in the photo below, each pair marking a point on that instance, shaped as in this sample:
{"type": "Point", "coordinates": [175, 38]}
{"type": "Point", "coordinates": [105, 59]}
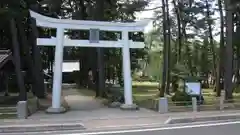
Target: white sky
{"type": "Point", "coordinates": [157, 3]}
{"type": "Point", "coordinates": [149, 14]}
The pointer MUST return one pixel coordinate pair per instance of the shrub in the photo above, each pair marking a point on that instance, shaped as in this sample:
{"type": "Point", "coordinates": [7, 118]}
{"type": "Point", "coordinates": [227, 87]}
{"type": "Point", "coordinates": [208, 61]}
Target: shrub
{"type": "Point", "coordinates": [182, 98]}
{"type": "Point", "coordinates": [143, 78]}
{"type": "Point", "coordinates": [76, 75]}
{"type": "Point", "coordinates": [237, 89]}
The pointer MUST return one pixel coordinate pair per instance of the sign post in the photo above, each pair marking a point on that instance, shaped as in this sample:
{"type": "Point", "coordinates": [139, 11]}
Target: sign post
{"type": "Point", "coordinates": [193, 88]}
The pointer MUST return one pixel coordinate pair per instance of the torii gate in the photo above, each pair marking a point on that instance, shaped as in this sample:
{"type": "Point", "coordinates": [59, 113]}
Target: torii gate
{"type": "Point", "coordinates": [94, 26]}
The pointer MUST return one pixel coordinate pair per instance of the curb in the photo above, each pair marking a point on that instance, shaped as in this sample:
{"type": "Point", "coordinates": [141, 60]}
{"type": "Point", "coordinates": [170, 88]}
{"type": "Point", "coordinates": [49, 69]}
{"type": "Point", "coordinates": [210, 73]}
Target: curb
{"type": "Point", "coordinates": [39, 128]}
{"type": "Point", "coordinates": [202, 119]}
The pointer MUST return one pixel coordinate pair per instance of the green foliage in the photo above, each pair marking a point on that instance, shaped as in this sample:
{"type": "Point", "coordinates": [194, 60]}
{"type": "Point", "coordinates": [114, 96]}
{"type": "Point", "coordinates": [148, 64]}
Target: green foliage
{"type": "Point", "coordinates": [155, 65]}
{"type": "Point", "coordinates": [196, 55]}
{"type": "Point", "coordinates": [237, 89]}
{"type": "Point", "coordinates": [180, 70]}
{"type": "Point", "coordinates": [182, 98]}
{"type": "Point", "coordinates": [76, 75]}
{"type": "Point", "coordinates": [144, 78]}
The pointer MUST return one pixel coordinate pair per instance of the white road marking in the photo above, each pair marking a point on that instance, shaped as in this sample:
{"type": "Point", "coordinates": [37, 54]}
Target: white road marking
{"type": "Point", "coordinates": [147, 129]}
{"type": "Point", "coordinates": [130, 125]}
{"type": "Point", "coordinates": [155, 129]}
{"type": "Point", "coordinates": [100, 127]}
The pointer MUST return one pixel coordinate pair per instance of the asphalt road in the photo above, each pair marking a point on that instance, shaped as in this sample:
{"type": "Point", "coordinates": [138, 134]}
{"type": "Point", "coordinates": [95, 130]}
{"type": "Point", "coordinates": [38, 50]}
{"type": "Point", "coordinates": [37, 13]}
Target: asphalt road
{"type": "Point", "coordinates": [227, 128]}
{"type": "Point", "coordinates": [216, 128]}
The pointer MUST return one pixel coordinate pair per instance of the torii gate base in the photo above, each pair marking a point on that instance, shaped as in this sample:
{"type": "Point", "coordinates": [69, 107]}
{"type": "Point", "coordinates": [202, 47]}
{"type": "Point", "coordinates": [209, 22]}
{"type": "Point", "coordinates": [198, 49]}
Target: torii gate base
{"type": "Point", "coordinates": [52, 110]}
{"type": "Point", "coordinates": [60, 41]}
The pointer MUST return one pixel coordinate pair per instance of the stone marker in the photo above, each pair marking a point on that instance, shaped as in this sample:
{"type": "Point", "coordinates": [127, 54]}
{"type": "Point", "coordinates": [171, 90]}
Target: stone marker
{"type": "Point", "coordinates": [194, 104]}
{"type": "Point", "coordinates": [129, 107]}
{"type": "Point", "coordinates": [22, 111]}
{"type": "Point", "coordinates": [163, 105]}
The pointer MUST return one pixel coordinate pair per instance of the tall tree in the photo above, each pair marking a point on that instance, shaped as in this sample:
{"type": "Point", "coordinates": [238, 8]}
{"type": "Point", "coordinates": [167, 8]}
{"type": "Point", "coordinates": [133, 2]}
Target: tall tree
{"type": "Point", "coordinates": [168, 46]}
{"type": "Point", "coordinates": [179, 35]}
{"type": "Point", "coordinates": [211, 40]}
{"type": "Point", "coordinates": [99, 16]}
{"type": "Point", "coordinates": [219, 73]}
{"type": "Point", "coordinates": [229, 51]}
{"type": "Point", "coordinates": [165, 50]}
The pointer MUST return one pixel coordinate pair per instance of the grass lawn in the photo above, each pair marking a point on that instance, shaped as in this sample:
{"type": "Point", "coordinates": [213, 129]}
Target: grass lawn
{"type": "Point", "coordinates": [149, 90]}
{"type": "Point", "coordinates": [144, 90]}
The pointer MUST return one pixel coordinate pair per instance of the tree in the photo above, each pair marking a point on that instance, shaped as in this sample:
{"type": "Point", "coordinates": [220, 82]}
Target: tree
{"type": "Point", "coordinates": [219, 73]}
{"type": "Point", "coordinates": [229, 51]}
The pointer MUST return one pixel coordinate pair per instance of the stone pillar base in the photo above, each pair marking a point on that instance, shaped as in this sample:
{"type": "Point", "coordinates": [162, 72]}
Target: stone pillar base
{"type": "Point", "coordinates": [51, 110]}
{"type": "Point", "coordinates": [22, 110]}
{"type": "Point", "coordinates": [114, 105]}
{"type": "Point", "coordinates": [194, 104]}
{"type": "Point", "coordinates": [129, 107]}
{"type": "Point", "coordinates": [163, 105]}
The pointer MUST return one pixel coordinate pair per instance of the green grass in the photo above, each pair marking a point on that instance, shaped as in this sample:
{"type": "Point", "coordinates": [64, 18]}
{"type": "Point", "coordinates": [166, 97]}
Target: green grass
{"type": "Point", "coordinates": [153, 84]}
{"type": "Point", "coordinates": [143, 91]}
{"type": "Point", "coordinates": [8, 116]}
{"type": "Point", "coordinates": [148, 90]}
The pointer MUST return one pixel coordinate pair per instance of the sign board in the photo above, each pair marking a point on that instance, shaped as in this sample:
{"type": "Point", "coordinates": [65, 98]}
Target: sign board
{"type": "Point", "coordinates": [69, 66]}
{"type": "Point", "coordinates": [193, 88]}
{"type": "Point", "coordinates": [94, 35]}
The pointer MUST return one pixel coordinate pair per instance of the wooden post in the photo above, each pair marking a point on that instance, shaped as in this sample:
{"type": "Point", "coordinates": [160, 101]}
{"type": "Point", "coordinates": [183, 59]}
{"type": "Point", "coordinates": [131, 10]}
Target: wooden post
{"type": "Point", "coordinates": [6, 76]}
{"type": "Point", "coordinates": [25, 45]}
{"type": "Point", "coordinates": [2, 81]}
{"type": "Point", "coordinates": [37, 61]}
{"type": "Point", "coordinates": [17, 61]}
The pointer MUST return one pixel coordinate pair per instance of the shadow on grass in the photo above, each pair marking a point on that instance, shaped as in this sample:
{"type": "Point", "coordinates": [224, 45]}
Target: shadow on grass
{"type": "Point", "coordinates": [144, 89]}
{"type": "Point", "coordinates": [8, 100]}
{"type": "Point", "coordinates": [8, 116]}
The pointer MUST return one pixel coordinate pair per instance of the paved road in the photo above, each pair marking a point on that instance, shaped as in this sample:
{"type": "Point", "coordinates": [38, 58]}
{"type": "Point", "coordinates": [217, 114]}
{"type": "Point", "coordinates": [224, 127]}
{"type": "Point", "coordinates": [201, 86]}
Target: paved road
{"type": "Point", "coordinates": [215, 128]}
{"type": "Point", "coordinates": [227, 128]}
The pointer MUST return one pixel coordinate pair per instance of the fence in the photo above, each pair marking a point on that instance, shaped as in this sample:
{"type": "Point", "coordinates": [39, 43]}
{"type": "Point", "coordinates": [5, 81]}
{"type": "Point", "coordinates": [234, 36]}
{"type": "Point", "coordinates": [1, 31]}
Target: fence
{"type": "Point", "coordinates": [164, 105]}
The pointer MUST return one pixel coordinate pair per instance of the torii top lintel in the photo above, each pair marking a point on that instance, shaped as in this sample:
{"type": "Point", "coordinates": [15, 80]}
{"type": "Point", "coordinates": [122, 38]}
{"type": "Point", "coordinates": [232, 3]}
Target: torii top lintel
{"type": "Point", "coordinates": [49, 22]}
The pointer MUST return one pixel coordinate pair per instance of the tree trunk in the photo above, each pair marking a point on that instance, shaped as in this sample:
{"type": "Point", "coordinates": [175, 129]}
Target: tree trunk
{"type": "Point", "coordinates": [168, 40]}
{"type": "Point", "coordinates": [211, 39]}
{"type": "Point", "coordinates": [221, 53]}
{"type": "Point", "coordinates": [99, 16]}
{"type": "Point", "coordinates": [85, 53]}
{"type": "Point", "coordinates": [17, 62]}
{"type": "Point", "coordinates": [37, 60]}
{"type": "Point", "coordinates": [229, 51]}
{"type": "Point", "coordinates": [177, 12]}
{"type": "Point", "coordinates": [163, 84]}
{"type": "Point", "coordinates": [27, 56]}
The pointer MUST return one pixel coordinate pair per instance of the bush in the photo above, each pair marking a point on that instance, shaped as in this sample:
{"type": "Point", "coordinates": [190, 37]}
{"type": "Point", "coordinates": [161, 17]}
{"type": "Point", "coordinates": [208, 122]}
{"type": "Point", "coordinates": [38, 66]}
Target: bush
{"type": "Point", "coordinates": [143, 78]}
{"type": "Point", "coordinates": [182, 98]}
{"type": "Point", "coordinates": [12, 84]}
{"type": "Point", "coordinates": [76, 76]}
{"type": "Point", "coordinates": [237, 89]}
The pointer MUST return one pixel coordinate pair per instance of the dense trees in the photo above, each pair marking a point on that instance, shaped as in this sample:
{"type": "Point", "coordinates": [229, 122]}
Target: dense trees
{"type": "Point", "coordinates": [184, 39]}
{"type": "Point", "coordinates": [195, 48]}
{"type": "Point", "coordinates": [97, 59]}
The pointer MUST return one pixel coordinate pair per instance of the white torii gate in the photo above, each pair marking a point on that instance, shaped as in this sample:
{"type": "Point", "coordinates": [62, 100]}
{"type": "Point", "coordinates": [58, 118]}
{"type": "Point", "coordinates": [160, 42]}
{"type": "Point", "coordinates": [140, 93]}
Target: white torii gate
{"type": "Point", "coordinates": [60, 41]}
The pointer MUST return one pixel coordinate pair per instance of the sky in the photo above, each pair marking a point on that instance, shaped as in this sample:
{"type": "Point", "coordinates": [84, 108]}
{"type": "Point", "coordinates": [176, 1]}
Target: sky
{"type": "Point", "coordinates": [148, 14]}
{"type": "Point", "coordinates": [157, 3]}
